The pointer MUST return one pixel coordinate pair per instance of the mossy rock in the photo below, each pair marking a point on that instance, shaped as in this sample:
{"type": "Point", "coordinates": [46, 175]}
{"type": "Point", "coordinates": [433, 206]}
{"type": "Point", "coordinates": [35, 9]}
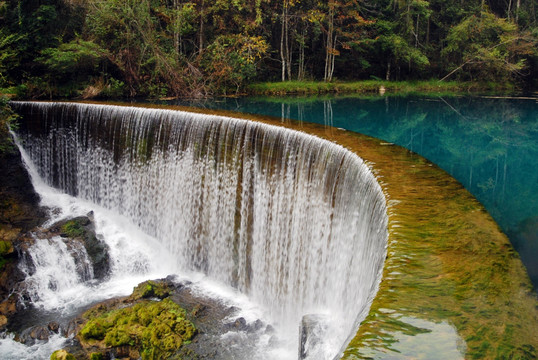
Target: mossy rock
{"type": "Point", "coordinates": [151, 289]}
{"type": "Point", "coordinates": [157, 329]}
{"type": "Point", "coordinates": [73, 229]}
{"type": "Point", "coordinates": [62, 355]}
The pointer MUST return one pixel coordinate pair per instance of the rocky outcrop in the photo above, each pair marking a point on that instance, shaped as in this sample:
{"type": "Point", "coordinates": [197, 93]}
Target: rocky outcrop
{"type": "Point", "coordinates": [82, 229]}
{"type": "Point", "coordinates": [19, 203]}
{"type": "Point", "coordinates": [194, 326]}
{"type": "Point", "coordinates": [19, 212]}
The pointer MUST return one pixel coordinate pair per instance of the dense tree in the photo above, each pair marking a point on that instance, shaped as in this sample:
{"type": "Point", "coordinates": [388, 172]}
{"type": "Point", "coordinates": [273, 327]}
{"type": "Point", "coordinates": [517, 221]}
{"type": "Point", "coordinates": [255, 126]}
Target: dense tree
{"type": "Point", "coordinates": [199, 47]}
{"type": "Point", "coordinates": [488, 48]}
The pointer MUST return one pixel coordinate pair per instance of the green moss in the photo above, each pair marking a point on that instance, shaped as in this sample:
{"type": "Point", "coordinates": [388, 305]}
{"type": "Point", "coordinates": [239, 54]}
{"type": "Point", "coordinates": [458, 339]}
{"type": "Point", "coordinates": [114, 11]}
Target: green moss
{"type": "Point", "coordinates": [95, 329]}
{"type": "Point", "coordinates": [156, 328]}
{"type": "Point", "coordinates": [5, 247]}
{"type": "Point", "coordinates": [149, 289]}
{"type": "Point", "coordinates": [73, 229]}
{"type": "Point", "coordinates": [96, 356]}
{"type": "Point", "coordinates": [62, 355]}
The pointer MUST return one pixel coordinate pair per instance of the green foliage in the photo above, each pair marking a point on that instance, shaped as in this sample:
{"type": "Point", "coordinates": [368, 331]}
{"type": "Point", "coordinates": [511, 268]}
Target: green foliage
{"type": "Point", "coordinates": [7, 121]}
{"type": "Point", "coordinates": [116, 48]}
{"type": "Point", "coordinates": [231, 59]}
{"type": "Point", "coordinates": [487, 47]}
{"type": "Point", "coordinates": [9, 58]}
{"type": "Point", "coordinates": [156, 328]}
{"type": "Point", "coordinates": [401, 52]}
{"type": "Point", "coordinates": [69, 58]}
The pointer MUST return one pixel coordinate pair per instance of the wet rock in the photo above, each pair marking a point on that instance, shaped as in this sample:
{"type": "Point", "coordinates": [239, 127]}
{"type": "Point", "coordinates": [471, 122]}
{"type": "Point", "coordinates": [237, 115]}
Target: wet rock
{"type": "Point", "coordinates": [82, 229]}
{"type": "Point", "coordinates": [19, 207]}
{"type": "Point", "coordinates": [312, 332]}
{"type": "Point", "coordinates": [256, 326]}
{"type": "Point", "coordinates": [54, 327]}
{"type": "Point", "coordinates": [240, 324]}
{"type": "Point", "coordinates": [35, 333]}
{"type": "Point", "coordinates": [269, 329]}
{"type": "Point", "coordinates": [11, 279]}
{"type": "Point", "coordinates": [72, 327]}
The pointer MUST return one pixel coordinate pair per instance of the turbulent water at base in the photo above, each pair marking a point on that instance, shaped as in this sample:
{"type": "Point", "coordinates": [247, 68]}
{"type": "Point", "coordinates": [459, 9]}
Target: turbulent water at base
{"type": "Point", "coordinates": [296, 224]}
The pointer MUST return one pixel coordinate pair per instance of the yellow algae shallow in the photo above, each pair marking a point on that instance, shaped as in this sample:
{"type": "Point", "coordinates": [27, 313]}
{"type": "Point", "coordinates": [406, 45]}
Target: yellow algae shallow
{"type": "Point", "coordinates": [453, 286]}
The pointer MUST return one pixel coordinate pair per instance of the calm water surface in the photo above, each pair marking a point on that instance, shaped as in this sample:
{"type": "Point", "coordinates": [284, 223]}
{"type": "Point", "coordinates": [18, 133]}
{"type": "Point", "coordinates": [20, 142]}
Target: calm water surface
{"type": "Point", "coordinates": [489, 144]}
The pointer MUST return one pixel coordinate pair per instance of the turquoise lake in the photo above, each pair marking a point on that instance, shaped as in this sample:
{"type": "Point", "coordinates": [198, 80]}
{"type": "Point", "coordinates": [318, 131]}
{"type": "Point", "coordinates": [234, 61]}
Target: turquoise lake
{"type": "Point", "coordinates": [488, 144]}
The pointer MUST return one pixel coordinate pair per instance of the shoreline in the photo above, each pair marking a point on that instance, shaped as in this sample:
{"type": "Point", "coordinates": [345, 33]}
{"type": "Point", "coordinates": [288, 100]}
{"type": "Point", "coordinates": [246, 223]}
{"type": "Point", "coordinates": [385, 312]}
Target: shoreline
{"type": "Point", "coordinates": [380, 87]}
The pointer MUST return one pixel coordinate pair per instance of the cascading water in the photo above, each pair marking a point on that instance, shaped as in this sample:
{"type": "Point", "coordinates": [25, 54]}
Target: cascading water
{"type": "Point", "coordinates": [296, 223]}
{"type": "Point", "coordinates": [53, 269]}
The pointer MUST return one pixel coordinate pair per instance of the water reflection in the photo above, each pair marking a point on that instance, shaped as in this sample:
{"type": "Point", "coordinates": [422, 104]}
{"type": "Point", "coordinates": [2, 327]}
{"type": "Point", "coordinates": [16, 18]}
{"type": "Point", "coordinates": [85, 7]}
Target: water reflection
{"type": "Point", "coordinates": [490, 145]}
{"type": "Point", "coordinates": [414, 338]}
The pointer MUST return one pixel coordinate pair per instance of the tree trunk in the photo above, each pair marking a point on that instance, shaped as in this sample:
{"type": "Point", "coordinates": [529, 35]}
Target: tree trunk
{"type": "Point", "coordinates": [201, 38]}
{"type": "Point", "coordinates": [287, 45]}
{"type": "Point", "coordinates": [176, 30]}
{"type": "Point", "coordinates": [300, 68]}
{"type": "Point", "coordinates": [285, 55]}
{"type": "Point", "coordinates": [329, 49]}
{"type": "Point", "coordinates": [509, 10]}
{"type": "Point", "coordinates": [416, 31]}
{"type": "Point", "coordinates": [332, 61]}
{"type": "Point", "coordinates": [428, 32]}
{"type": "Point", "coordinates": [518, 3]}
{"type": "Point", "coordinates": [282, 30]}
{"type": "Point", "coordinates": [387, 75]}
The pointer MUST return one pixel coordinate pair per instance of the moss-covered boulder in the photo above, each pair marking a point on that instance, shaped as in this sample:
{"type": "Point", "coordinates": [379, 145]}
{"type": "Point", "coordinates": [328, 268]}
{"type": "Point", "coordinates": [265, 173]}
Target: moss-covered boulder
{"type": "Point", "coordinates": [155, 329]}
{"type": "Point", "coordinates": [151, 289]}
{"type": "Point", "coordinates": [62, 355]}
{"type": "Point", "coordinates": [147, 325]}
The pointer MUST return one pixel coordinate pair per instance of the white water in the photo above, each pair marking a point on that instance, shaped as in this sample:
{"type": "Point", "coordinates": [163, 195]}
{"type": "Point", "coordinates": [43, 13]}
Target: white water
{"type": "Point", "coordinates": [12, 350]}
{"type": "Point", "coordinates": [295, 223]}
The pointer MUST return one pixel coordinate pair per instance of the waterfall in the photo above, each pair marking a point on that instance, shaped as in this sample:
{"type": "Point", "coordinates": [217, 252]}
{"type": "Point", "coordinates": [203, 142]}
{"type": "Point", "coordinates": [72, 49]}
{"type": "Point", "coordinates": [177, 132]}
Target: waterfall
{"type": "Point", "coordinates": [296, 223]}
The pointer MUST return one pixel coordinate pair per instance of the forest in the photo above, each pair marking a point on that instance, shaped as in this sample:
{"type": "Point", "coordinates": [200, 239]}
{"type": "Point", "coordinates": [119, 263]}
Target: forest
{"type": "Point", "coordinates": [196, 48]}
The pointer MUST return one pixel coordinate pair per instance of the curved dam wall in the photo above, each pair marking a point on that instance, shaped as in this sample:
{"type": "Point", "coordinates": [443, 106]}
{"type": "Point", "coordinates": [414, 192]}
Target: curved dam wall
{"type": "Point", "coordinates": [297, 223]}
